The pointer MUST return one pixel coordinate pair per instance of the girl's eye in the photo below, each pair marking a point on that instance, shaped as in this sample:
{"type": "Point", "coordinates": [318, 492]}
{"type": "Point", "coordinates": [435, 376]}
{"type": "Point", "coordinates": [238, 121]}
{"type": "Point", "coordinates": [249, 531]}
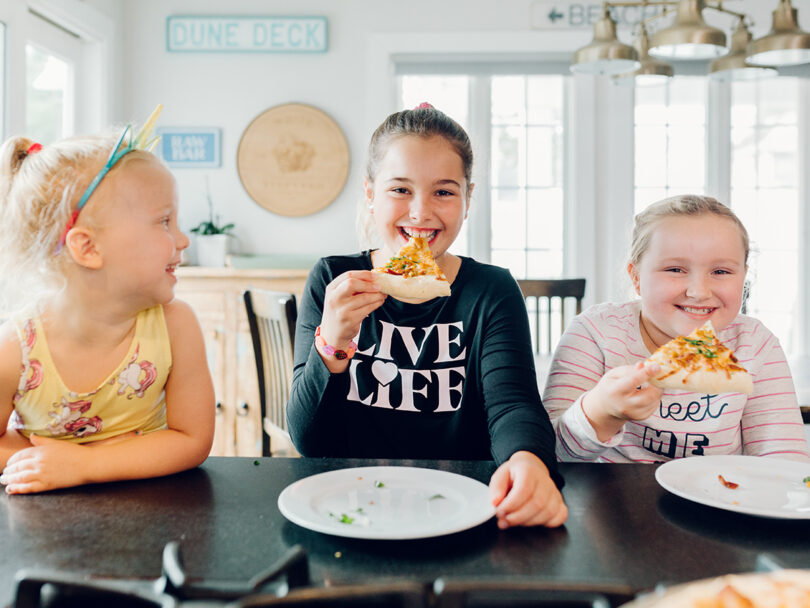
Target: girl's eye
{"type": "Point", "coordinates": [445, 193]}
{"type": "Point", "coordinates": [673, 270]}
{"type": "Point", "coordinates": [165, 221]}
{"type": "Point", "coordinates": [721, 271]}
{"type": "Point", "coordinates": [400, 190]}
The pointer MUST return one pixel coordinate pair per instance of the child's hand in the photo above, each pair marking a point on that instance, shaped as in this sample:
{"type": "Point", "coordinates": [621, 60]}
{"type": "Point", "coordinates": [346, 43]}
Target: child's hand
{"type": "Point", "coordinates": [348, 300]}
{"type": "Point", "coordinates": [621, 394]}
{"type": "Point", "coordinates": [48, 465]}
{"type": "Point", "coordinates": [525, 495]}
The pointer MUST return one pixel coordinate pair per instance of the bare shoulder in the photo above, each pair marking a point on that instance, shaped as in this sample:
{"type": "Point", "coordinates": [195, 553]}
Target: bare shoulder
{"type": "Point", "coordinates": [10, 353]}
{"type": "Point", "coordinates": [179, 316]}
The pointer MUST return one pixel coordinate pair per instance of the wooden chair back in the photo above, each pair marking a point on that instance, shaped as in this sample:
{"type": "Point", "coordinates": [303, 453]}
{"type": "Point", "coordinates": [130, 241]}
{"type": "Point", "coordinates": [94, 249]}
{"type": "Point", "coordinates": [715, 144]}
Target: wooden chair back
{"type": "Point", "coordinates": [546, 314]}
{"type": "Point", "coordinates": [271, 316]}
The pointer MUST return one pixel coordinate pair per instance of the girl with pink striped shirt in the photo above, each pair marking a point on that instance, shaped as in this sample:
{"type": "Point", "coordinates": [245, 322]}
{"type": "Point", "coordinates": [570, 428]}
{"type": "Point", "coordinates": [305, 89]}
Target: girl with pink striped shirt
{"type": "Point", "coordinates": [688, 263]}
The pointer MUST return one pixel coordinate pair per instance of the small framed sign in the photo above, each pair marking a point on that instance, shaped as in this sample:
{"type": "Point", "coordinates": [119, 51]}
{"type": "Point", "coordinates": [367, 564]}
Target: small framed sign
{"type": "Point", "coordinates": [190, 146]}
{"type": "Point", "coordinates": [210, 33]}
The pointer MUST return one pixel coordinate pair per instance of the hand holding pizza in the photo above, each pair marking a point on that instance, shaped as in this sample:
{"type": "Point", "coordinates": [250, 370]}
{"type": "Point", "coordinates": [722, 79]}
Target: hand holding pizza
{"type": "Point", "coordinates": [622, 394]}
{"type": "Point", "coordinates": [348, 299]}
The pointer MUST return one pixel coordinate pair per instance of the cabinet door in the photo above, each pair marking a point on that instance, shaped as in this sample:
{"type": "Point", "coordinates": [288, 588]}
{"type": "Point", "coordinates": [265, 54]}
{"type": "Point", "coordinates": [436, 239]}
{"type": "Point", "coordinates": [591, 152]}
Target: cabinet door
{"type": "Point", "coordinates": [210, 310]}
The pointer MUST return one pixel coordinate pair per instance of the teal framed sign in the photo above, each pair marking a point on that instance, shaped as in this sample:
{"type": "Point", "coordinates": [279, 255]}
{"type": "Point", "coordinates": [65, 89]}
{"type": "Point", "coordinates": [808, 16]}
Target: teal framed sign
{"type": "Point", "coordinates": [218, 34]}
{"type": "Point", "coordinates": [190, 146]}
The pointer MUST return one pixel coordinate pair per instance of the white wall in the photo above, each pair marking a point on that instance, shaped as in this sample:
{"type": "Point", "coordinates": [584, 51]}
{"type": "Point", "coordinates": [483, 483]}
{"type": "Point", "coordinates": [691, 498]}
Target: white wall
{"type": "Point", "coordinates": [351, 82]}
{"type": "Point", "coordinates": [228, 91]}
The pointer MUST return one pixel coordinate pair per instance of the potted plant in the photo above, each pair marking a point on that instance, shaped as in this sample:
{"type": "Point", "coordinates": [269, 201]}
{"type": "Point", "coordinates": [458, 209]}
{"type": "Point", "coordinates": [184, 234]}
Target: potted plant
{"type": "Point", "coordinates": [211, 236]}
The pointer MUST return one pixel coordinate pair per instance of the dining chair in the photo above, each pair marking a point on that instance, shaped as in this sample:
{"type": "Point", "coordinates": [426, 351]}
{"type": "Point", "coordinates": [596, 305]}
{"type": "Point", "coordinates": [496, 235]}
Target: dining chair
{"type": "Point", "coordinates": [271, 316]}
{"type": "Point", "coordinates": [547, 315]}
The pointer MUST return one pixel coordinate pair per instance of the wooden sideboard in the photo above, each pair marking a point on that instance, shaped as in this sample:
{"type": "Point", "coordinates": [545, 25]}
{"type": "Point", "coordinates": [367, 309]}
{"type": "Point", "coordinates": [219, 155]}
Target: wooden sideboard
{"type": "Point", "coordinates": [215, 294]}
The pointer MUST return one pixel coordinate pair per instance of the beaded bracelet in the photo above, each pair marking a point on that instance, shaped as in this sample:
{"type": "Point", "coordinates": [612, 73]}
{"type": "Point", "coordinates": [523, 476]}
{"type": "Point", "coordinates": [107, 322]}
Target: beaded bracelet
{"type": "Point", "coordinates": [331, 350]}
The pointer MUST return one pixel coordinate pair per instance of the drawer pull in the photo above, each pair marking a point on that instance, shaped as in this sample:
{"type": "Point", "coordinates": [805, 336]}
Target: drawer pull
{"type": "Point", "coordinates": [218, 409]}
{"type": "Point", "coordinates": [243, 410]}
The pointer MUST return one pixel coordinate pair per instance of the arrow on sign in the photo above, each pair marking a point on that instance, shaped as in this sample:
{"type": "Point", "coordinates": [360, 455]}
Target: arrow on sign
{"type": "Point", "coordinates": [554, 15]}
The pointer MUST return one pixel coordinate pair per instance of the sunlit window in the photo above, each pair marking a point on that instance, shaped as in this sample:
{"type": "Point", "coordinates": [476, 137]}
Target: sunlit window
{"type": "Point", "coordinates": [49, 98]}
{"type": "Point", "coordinates": [764, 193]}
{"type": "Point", "coordinates": [527, 175]}
{"type": "Point", "coordinates": [2, 80]}
{"type": "Point", "coordinates": [670, 140]}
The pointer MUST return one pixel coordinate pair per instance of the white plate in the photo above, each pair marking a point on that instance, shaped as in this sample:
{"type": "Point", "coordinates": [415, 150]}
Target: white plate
{"type": "Point", "coordinates": [386, 502]}
{"type": "Point", "coordinates": [768, 487]}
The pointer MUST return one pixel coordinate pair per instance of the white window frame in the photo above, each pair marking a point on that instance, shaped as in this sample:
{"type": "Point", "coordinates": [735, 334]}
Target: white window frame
{"type": "Point", "coordinates": [93, 79]}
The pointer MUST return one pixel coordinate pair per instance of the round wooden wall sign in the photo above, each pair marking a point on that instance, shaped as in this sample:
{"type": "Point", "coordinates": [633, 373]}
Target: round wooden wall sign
{"type": "Point", "coordinates": [293, 159]}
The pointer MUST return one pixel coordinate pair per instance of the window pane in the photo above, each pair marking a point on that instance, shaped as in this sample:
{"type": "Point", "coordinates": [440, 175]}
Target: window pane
{"type": "Point", "coordinates": [450, 94]}
{"type": "Point", "coordinates": [47, 103]}
{"type": "Point", "coordinates": [670, 136]}
{"type": "Point", "coordinates": [508, 218]}
{"type": "Point", "coordinates": [508, 156]}
{"type": "Point", "coordinates": [764, 193]}
{"type": "Point", "coordinates": [509, 101]}
{"type": "Point", "coordinates": [527, 174]}
{"type": "Point", "coordinates": [544, 145]}
{"type": "Point", "coordinates": [544, 211]}
{"type": "Point", "coordinates": [2, 79]}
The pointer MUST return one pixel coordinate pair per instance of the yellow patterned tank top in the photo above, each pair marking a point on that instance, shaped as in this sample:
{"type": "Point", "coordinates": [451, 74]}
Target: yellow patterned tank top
{"type": "Point", "coordinates": [132, 398]}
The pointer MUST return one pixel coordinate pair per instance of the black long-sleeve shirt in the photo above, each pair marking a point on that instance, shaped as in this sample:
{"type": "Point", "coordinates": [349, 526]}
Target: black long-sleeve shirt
{"type": "Point", "coordinates": [451, 378]}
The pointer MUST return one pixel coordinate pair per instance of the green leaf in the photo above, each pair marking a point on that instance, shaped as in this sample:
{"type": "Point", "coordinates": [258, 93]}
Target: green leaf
{"type": "Point", "coordinates": [379, 484]}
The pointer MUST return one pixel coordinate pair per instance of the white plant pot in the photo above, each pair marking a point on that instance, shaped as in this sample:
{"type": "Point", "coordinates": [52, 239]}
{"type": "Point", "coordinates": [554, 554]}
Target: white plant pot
{"type": "Point", "coordinates": [212, 249]}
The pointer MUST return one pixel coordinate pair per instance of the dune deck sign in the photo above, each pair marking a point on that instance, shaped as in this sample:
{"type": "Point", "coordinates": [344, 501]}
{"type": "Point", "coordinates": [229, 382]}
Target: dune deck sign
{"type": "Point", "coordinates": [217, 34]}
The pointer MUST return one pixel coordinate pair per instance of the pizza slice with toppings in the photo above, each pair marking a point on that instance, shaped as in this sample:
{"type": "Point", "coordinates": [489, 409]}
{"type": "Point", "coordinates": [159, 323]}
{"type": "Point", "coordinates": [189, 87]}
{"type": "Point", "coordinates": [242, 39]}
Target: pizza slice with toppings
{"type": "Point", "coordinates": [701, 363]}
{"type": "Point", "coordinates": [412, 274]}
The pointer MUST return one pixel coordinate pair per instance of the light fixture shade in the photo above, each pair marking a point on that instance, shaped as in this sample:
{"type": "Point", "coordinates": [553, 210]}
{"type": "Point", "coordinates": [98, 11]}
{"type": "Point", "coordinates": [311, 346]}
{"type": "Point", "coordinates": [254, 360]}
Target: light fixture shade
{"type": "Point", "coordinates": [605, 54]}
{"type": "Point", "coordinates": [733, 66]}
{"type": "Point", "coordinates": [785, 44]}
{"type": "Point", "coordinates": [689, 36]}
{"type": "Point", "coordinates": [653, 72]}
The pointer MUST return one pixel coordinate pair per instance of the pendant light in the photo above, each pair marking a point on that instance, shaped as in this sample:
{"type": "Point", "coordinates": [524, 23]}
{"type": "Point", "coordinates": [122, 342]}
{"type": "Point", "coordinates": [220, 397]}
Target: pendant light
{"type": "Point", "coordinates": [734, 66]}
{"type": "Point", "coordinates": [785, 44]}
{"type": "Point", "coordinates": [605, 54]}
{"type": "Point", "coordinates": [689, 37]}
{"type": "Point", "coordinates": [653, 72]}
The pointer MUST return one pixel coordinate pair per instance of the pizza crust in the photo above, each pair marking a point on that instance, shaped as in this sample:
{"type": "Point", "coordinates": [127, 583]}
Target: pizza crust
{"type": "Point", "coordinates": [703, 381]}
{"type": "Point", "coordinates": [412, 289]}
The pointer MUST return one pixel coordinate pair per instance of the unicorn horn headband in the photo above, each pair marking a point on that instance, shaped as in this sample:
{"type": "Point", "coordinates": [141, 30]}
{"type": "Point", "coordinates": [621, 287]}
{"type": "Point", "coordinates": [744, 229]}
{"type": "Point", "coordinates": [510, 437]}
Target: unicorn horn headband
{"type": "Point", "coordinates": [141, 141]}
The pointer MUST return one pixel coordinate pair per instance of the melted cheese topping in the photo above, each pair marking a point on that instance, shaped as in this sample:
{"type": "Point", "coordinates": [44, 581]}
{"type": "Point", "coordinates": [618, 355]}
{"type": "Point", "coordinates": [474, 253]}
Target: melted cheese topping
{"type": "Point", "coordinates": [413, 260]}
{"type": "Point", "coordinates": [699, 351]}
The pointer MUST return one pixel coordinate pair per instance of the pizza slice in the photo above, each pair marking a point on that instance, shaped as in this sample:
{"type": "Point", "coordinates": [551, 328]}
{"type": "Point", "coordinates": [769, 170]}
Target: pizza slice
{"type": "Point", "coordinates": [412, 274]}
{"type": "Point", "coordinates": [701, 363]}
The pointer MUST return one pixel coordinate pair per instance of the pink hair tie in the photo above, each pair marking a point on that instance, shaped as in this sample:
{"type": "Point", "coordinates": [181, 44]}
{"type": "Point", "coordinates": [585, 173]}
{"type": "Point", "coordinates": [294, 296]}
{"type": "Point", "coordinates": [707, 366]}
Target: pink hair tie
{"type": "Point", "coordinates": [424, 106]}
{"type": "Point", "coordinates": [33, 149]}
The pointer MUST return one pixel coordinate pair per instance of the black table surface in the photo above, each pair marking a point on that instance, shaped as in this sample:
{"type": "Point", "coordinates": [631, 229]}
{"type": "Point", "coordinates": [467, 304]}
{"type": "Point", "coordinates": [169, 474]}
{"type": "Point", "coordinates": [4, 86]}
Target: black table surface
{"type": "Point", "coordinates": [624, 531]}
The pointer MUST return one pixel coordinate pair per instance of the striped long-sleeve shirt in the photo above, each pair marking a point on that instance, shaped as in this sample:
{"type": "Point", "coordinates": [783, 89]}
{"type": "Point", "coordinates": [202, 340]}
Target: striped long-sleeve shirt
{"type": "Point", "coordinates": [766, 423]}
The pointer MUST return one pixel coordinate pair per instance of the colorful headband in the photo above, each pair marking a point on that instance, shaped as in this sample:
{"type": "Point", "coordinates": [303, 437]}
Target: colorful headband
{"type": "Point", "coordinates": [33, 149]}
{"type": "Point", "coordinates": [140, 142]}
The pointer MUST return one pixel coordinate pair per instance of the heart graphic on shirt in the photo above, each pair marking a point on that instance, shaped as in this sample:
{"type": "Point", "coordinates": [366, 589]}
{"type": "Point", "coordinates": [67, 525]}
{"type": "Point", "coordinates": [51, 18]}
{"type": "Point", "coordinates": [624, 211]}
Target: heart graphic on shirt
{"type": "Point", "coordinates": [384, 372]}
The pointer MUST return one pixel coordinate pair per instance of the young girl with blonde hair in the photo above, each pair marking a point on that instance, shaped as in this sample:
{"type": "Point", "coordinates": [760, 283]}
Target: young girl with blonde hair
{"type": "Point", "coordinates": [688, 263]}
{"type": "Point", "coordinates": [103, 373]}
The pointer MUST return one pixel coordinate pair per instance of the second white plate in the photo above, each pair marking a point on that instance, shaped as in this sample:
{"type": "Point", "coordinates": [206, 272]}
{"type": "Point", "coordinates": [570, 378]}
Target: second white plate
{"type": "Point", "coordinates": [767, 487]}
{"type": "Point", "coordinates": [386, 502]}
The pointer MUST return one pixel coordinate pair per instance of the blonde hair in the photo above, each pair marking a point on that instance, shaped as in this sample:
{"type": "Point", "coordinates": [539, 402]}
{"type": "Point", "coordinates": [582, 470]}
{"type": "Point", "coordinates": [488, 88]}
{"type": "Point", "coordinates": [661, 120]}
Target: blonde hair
{"type": "Point", "coordinates": [691, 205]}
{"type": "Point", "coordinates": [38, 192]}
{"type": "Point", "coordinates": [423, 121]}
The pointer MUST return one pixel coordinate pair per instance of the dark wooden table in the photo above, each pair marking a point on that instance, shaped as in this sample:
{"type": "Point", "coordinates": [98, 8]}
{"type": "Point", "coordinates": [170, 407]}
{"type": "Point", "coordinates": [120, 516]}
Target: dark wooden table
{"type": "Point", "coordinates": [624, 531]}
